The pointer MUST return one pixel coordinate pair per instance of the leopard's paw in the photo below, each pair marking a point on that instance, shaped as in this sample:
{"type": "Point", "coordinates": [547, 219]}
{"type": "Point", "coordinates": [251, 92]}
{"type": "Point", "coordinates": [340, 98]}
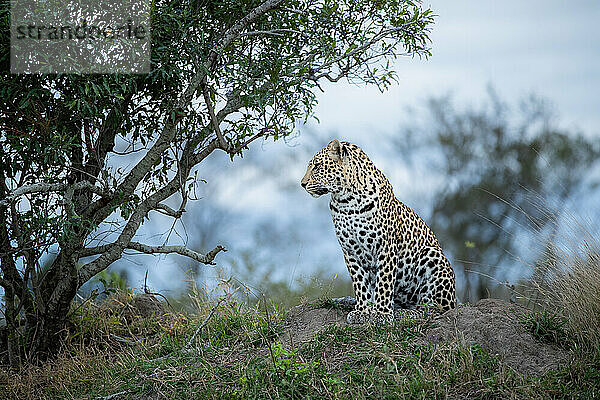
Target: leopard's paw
{"type": "Point", "coordinates": [357, 317]}
{"type": "Point", "coordinates": [380, 318]}
{"type": "Point", "coordinates": [422, 312]}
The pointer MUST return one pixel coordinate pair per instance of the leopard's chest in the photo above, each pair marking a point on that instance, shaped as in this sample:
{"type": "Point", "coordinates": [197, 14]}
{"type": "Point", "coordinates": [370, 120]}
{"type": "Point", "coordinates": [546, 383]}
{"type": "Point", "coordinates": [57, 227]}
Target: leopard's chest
{"type": "Point", "coordinates": [358, 231]}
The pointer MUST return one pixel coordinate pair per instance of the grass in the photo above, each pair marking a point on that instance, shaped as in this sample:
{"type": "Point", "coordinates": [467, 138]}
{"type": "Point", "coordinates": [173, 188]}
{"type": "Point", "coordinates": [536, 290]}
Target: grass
{"type": "Point", "coordinates": [567, 282]}
{"type": "Point", "coordinates": [548, 327]}
{"type": "Point", "coordinates": [234, 355]}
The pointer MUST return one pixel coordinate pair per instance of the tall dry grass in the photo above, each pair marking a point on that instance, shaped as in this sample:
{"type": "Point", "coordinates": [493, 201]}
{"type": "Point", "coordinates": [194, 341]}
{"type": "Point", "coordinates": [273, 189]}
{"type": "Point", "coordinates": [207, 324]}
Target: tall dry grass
{"type": "Point", "coordinates": [566, 279]}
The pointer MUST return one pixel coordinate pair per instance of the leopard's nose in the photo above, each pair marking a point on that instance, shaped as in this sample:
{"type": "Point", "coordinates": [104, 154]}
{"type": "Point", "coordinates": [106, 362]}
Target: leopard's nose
{"type": "Point", "coordinates": [303, 184]}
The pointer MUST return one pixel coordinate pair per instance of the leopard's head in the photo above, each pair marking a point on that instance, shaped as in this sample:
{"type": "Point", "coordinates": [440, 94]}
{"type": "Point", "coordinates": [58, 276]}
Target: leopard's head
{"type": "Point", "coordinates": [327, 172]}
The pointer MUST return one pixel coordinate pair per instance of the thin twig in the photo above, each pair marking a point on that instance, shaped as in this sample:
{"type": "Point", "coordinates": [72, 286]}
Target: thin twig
{"type": "Point", "coordinates": [114, 395]}
{"type": "Point", "coordinates": [94, 293]}
{"type": "Point", "coordinates": [188, 345]}
{"type": "Point", "coordinates": [147, 291]}
{"type": "Point", "coordinates": [123, 340]}
{"type": "Point", "coordinates": [203, 324]}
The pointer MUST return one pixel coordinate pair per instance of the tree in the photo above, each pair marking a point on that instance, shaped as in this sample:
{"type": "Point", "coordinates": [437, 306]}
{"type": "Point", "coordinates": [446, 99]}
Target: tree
{"type": "Point", "coordinates": [87, 159]}
{"type": "Point", "coordinates": [507, 172]}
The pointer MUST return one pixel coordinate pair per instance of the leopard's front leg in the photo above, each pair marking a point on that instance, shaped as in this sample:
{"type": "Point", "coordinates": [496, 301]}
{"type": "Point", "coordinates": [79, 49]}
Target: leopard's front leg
{"type": "Point", "coordinates": [363, 292]}
{"type": "Point", "coordinates": [384, 288]}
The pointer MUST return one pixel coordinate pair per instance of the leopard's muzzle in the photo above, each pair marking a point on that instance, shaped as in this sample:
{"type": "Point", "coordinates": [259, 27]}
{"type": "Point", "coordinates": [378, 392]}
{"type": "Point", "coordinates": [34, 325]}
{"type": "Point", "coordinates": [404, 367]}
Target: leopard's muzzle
{"type": "Point", "coordinates": [316, 191]}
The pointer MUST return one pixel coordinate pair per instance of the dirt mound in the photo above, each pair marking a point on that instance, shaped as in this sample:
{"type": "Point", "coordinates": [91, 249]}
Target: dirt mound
{"type": "Point", "coordinates": [493, 324]}
{"type": "Point", "coordinates": [130, 308]}
{"type": "Point", "coordinates": [303, 322]}
{"type": "Point", "coordinates": [146, 305]}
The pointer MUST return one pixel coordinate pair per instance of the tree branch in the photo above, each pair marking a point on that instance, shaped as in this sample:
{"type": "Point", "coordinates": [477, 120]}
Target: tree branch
{"type": "Point", "coordinates": [375, 39]}
{"type": "Point", "coordinates": [229, 36]}
{"type": "Point", "coordinates": [98, 210]}
{"type": "Point", "coordinates": [207, 258]}
{"type": "Point", "coordinates": [213, 118]}
{"type": "Point", "coordinates": [276, 32]}
{"type": "Point", "coordinates": [52, 187]}
{"type": "Point", "coordinates": [94, 251]}
{"type": "Point", "coordinates": [182, 250]}
{"type": "Point", "coordinates": [113, 252]}
{"type": "Point", "coordinates": [166, 210]}
{"type": "Point", "coordinates": [106, 135]}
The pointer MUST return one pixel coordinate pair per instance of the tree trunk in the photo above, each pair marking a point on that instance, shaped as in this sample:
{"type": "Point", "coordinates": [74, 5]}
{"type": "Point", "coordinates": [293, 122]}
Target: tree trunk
{"type": "Point", "coordinates": [12, 342]}
{"type": "Point", "coordinates": [57, 291]}
{"type": "Point", "coordinates": [43, 339]}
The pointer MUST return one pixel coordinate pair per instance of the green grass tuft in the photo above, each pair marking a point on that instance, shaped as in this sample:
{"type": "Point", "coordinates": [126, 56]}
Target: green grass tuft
{"type": "Point", "coordinates": [548, 327]}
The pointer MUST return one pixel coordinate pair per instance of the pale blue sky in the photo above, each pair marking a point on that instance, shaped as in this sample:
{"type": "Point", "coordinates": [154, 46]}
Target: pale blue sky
{"type": "Point", "coordinates": [551, 48]}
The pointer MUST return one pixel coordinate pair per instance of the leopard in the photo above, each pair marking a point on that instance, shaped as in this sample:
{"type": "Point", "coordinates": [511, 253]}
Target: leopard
{"type": "Point", "coordinates": [395, 262]}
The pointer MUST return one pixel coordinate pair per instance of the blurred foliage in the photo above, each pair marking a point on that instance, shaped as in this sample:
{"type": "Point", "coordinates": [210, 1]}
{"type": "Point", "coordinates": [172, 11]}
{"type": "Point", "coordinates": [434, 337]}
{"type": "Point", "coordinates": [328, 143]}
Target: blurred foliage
{"type": "Point", "coordinates": [505, 171]}
{"type": "Point", "coordinates": [111, 279]}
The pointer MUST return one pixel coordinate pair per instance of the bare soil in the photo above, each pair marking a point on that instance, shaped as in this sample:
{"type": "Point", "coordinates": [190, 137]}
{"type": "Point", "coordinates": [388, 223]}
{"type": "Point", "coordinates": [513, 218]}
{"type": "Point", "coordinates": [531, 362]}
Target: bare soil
{"type": "Point", "coordinates": [493, 324]}
{"type": "Point", "coordinates": [303, 322]}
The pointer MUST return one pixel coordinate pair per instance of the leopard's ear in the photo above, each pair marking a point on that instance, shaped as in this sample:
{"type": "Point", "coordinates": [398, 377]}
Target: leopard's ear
{"type": "Point", "coordinates": [337, 150]}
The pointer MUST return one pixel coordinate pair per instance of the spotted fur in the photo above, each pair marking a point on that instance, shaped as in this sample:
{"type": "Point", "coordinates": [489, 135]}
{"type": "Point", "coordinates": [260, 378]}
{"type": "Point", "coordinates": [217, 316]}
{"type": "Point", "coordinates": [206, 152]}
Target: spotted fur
{"type": "Point", "coordinates": [394, 259]}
